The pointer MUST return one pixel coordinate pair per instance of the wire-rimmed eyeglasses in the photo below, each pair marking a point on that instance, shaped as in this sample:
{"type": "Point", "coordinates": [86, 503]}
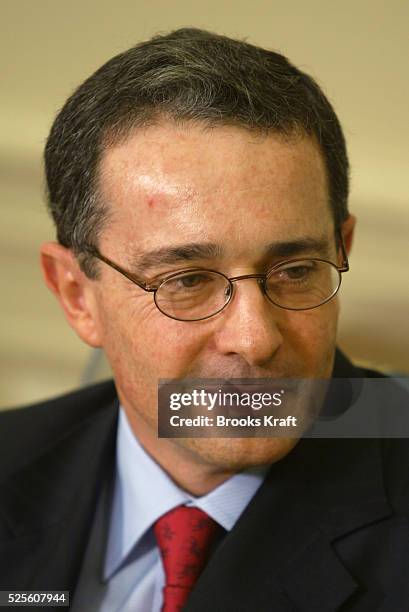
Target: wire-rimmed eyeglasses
{"type": "Point", "coordinates": [195, 294]}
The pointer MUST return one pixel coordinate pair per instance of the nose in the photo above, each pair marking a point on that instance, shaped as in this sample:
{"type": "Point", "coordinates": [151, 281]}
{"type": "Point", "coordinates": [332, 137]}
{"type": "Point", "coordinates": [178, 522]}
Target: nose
{"type": "Point", "coordinates": [249, 326]}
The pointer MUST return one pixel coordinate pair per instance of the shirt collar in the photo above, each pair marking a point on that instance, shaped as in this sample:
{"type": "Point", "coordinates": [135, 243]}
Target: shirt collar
{"type": "Point", "coordinates": [143, 492]}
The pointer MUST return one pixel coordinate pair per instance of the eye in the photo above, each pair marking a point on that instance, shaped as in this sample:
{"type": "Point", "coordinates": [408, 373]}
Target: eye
{"type": "Point", "coordinates": [189, 282]}
{"type": "Point", "coordinates": [294, 273]}
{"type": "Point", "coordinates": [297, 272]}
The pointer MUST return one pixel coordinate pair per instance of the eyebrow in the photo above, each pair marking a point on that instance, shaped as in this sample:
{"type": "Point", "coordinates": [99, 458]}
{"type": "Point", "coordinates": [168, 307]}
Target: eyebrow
{"type": "Point", "coordinates": [143, 262]}
{"type": "Point", "coordinates": [291, 248]}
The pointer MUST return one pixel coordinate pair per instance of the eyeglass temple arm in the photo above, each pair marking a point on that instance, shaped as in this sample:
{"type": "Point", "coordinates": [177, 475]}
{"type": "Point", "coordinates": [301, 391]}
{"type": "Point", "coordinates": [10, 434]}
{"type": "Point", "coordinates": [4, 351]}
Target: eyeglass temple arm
{"type": "Point", "coordinates": [345, 263]}
{"type": "Point", "coordinates": [95, 253]}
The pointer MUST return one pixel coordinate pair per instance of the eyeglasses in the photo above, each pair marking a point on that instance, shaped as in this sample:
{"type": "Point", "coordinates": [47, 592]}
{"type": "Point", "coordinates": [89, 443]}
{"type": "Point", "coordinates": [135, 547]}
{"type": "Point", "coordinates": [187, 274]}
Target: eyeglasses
{"type": "Point", "coordinates": [196, 294]}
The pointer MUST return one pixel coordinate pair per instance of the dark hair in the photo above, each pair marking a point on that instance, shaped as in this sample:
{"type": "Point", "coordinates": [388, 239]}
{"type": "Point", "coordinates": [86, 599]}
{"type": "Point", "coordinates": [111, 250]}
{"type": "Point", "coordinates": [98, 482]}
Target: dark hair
{"type": "Point", "coordinates": [189, 74]}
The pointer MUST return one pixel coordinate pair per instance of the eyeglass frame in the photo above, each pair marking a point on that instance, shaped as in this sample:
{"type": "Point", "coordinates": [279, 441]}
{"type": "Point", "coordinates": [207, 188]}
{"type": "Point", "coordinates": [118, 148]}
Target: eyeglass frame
{"type": "Point", "coordinates": [93, 251]}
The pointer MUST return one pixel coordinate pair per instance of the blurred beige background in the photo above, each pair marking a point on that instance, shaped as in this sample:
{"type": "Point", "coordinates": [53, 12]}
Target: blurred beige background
{"type": "Point", "coordinates": [358, 50]}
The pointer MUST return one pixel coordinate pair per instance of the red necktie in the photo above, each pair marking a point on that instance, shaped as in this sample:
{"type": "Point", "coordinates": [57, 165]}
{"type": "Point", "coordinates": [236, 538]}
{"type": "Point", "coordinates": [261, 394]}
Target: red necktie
{"type": "Point", "coordinates": [184, 536]}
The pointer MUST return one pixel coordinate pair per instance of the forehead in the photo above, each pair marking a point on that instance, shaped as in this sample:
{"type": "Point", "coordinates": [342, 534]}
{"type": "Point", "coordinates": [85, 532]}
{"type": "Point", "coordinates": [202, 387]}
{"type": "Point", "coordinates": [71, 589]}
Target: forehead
{"type": "Point", "coordinates": [171, 183]}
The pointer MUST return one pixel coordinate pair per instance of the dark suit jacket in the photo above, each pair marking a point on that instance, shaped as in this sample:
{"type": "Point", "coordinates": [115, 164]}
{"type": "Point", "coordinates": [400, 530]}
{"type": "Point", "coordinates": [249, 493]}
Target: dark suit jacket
{"type": "Point", "coordinates": [327, 531]}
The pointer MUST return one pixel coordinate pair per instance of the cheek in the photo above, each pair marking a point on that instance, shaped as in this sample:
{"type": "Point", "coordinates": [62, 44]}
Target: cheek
{"type": "Point", "coordinates": [156, 348]}
{"type": "Point", "coordinates": [145, 345]}
{"type": "Point", "coordinates": [315, 338]}
{"type": "Point", "coordinates": [168, 346]}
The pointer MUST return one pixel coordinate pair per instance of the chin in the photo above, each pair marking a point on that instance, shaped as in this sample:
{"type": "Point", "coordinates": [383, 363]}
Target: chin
{"type": "Point", "coordinates": [236, 454]}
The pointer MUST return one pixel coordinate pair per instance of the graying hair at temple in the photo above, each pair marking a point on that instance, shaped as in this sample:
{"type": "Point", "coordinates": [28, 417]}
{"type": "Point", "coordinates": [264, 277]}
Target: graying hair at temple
{"type": "Point", "coordinates": [186, 75]}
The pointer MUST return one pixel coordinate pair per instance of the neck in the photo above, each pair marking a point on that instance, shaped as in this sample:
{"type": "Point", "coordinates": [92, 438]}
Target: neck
{"type": "Point", "coordinates": [191, 473]}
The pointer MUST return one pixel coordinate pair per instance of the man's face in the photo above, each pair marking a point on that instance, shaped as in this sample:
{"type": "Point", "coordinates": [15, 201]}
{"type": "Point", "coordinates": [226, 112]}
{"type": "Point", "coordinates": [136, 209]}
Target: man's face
{"type": "Point", "coordinates": [170, 186]}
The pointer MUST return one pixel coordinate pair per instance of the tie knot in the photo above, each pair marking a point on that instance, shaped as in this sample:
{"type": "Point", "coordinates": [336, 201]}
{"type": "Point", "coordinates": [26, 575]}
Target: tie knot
{"type": "Point", "coordinates": [184, 536]}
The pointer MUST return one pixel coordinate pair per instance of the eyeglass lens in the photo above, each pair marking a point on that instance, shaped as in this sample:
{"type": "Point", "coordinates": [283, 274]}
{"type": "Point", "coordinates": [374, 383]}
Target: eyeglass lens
{"type": "Point", "coordinates": [298, 285]}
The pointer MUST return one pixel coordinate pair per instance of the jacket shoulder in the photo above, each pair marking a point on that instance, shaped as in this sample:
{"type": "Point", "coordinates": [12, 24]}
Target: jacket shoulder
{"type": "Point", "coordinates": [24, 431]}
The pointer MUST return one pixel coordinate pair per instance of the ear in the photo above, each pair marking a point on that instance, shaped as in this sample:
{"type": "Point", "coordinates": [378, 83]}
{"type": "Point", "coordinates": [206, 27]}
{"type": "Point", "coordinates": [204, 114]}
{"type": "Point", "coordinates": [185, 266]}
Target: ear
{"type": "Point", "coordinates": [73, 289]}
{"type": "Point", "coordinates": [347, 229]}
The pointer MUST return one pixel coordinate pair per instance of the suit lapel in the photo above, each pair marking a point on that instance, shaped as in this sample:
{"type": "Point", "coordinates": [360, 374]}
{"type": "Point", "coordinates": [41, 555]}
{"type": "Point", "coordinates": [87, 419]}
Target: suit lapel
{"type": "Point", "coordinates": [279, 555]}
{"type": "Point", "coordinates": [46, 508]}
